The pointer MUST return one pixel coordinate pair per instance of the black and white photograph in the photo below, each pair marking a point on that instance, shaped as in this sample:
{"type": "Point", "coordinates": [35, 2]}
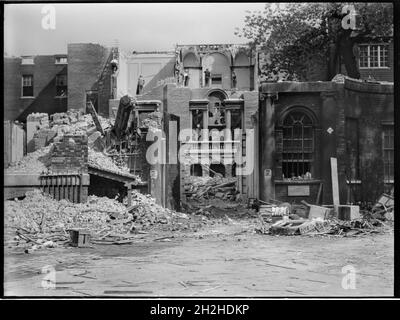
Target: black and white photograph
{"type": "Point", "coordinates": [199, 150]}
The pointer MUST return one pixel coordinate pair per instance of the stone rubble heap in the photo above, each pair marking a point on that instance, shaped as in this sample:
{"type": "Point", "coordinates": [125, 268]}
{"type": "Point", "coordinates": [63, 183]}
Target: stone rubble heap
{"type": "Point", "coordinates": [199, 188]}
{"type": "Point", "coordinates": [40, 221]}
{"type": "Point", "coordinates": [74, 121]}
{"type": "Point", "coordinates": [146, 212]}
{"type": "Point", "coordinates": [36, 162]}
{"type": "Point", "coordinates": [39, 162]}
{"type": "Point", "coordinates": [101, 161]}
{"type": "Point", "coordinates": [326, 227]}
{"type": "Point", "coordinates": [151, 120]}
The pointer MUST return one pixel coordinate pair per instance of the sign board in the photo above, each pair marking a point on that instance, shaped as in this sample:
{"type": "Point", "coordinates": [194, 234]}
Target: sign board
{"type": "Point", "coordinates": [153, 174]}
{"type": "Point", "coordinates": [298, 190]}
{"type": "Point", "coordinates": [267, 172]}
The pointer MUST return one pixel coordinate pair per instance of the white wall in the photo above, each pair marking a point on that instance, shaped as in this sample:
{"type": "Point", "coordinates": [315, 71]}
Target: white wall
{"type": "Point", "coordinates": [145, 64]}
{"type": "Point", "coordinates": [122, 77]}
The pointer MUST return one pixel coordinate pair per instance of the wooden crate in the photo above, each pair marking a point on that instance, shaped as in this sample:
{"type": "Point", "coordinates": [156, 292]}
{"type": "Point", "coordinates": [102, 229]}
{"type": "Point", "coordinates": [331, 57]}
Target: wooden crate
{"type": "Point", "coordinates": [79, 237]}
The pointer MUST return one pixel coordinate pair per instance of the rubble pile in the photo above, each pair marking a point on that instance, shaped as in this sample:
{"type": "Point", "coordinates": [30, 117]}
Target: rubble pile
{"type": "Point", "coordinates": [329, 227]}
{"type": "Point", "coordinates": [39, 162]}
{"type": "Point", "coordinates": [41, 119]}
{"type": "Point", "coordinates": [146, 212]}
{"type": "Point", "coordinates": [38, 218]}
{"type": "Point", "coordinates": [39, 221]}
{"type": "Point", "coordinates": [355, 227]}
{"type": "Point", "coordinates": [101, 161]}
{"type": "Point", "coordinates": [35, 162]}
{"type": "Point", "coordinates": [74, 121]}
{"type": "Point", "coordinates": [198, 188]}
{"type": "Point", "coordinates": [150, 120]}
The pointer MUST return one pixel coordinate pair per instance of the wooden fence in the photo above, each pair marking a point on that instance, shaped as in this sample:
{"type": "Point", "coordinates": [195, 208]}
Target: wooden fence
{"type": "Point", "coordinates": [14, 142]}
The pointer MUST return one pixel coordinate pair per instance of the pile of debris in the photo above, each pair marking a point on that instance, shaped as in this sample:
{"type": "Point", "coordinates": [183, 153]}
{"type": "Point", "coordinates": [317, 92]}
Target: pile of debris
{"type": "Point", "coordinates": [42, 221]}
{"type": "Point", "coordinates": [318, 226]}
{"type": "Point", "coordinates": [150, 120]}
{"type": "Point", "coordinates": [345, 221]}
{"type": "Point", "coordinates": [35, 162]}
{"type": "Point", "coordinates": [199, 188]}
{"type": "Point", "coordinates": [74, 121]}
{"type": "Point", "coordinates": [39, 162]}
{"type": "Point", "coordinates": [101, 161]}
{"type": "Point", "coordinates": [146, 212]}
{"type": "Point", "coordinates": [39, 221]}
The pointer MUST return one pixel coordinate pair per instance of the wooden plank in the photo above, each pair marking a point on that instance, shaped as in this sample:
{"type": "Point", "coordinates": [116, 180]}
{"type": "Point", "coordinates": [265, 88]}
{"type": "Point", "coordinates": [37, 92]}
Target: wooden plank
{"type": "Point", "coordinates": [318, 200]}
{"type": "Point", "coordinates": [13, 142]}
{"type": "Point", "coordinates": [335, 182]}
{"type": "Point", "coordinates": [7, 143]}
{"type": "Point", "coordinates": [19, 143]}
{"type": "Point", "coordinates": [95, 118]}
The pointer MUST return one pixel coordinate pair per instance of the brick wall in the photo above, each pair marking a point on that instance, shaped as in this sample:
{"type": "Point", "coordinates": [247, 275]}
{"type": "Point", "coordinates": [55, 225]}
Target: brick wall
{"type": "Point", "coordinates": [371, 105]}
{"type": "Point", "coordinates": [70, 153]}
{"type": "Point", "coordinates": [86, 63]}
{"type": "Point", "coordinates": [380, 74]}
{"type": "Point", "coordinates": [44, 71]}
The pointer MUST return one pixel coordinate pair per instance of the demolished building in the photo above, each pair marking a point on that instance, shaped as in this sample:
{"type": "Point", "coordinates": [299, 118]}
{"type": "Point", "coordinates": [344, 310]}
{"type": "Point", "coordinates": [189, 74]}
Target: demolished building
{"type": "Point", "coordinates": [297, 126]}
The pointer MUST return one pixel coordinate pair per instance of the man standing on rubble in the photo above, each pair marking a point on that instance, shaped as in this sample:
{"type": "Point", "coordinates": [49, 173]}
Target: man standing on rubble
{"type": "Point", "coordinates": [140, 85]}
{"type": "Point", "coordinates": [207, 76]}
{"type": "Point", "coordinates": [186, 78]}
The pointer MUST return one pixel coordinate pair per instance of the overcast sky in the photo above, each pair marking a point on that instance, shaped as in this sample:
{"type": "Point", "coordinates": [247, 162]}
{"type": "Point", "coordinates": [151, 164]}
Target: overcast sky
{"type": "Point", "coordinates": [140, 27]}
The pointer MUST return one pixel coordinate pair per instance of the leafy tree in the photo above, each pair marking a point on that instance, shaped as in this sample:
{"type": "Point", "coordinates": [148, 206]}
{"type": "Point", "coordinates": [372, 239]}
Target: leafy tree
{"type": "Point", "coordinates": [300, 36]}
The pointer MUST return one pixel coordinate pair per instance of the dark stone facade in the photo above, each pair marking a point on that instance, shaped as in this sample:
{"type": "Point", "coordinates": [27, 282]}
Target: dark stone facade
{"type": "Point", "coordinates": [333, 107]}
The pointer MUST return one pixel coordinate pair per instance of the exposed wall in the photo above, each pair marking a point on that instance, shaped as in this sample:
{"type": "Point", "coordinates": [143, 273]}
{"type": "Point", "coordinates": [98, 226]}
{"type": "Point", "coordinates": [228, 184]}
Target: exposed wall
{"type": "Point", "coordinates": [242, 69]}
{"type": "Point", "coordinates": [122, 77]}
{"type": "Point", "coordinates": [44, 71]}
{"type": "Point", "coordinates": [218, 63]}
{"type": "Point", "coordinates": [165, 74]}
{"type": "Point", "coordinates": [372, 106]}
{"type": "Point", "coordinates": [149, 65]}
{"type": "Point", "coordinates": [86, 63]}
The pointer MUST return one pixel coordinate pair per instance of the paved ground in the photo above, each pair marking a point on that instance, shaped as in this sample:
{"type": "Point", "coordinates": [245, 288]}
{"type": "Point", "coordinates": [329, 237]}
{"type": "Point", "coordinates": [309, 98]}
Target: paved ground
{"type": "Point", "coordinates": [224, 260]}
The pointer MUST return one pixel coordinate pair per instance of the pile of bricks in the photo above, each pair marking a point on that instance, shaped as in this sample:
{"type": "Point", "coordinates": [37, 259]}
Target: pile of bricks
{"type": "Point", "coordinates": [71, 116]}
{"type": "Point", "coordinates": [43, 137]}
{"type": "Point", "coordinates": [41, 118]}
{"type": "Point", "coordinates": [70, 154]}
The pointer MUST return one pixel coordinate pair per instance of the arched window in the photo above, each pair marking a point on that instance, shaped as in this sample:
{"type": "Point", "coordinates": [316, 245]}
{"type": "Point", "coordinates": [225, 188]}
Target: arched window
{"type": "Point", "coordinates": [298, 144]}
